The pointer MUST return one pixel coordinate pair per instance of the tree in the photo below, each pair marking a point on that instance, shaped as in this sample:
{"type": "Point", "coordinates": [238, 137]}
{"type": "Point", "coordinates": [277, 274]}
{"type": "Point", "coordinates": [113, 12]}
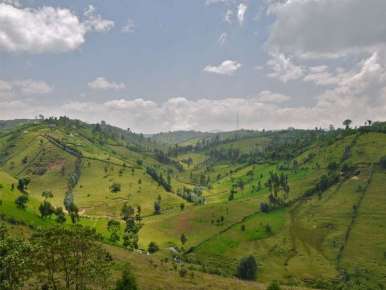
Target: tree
{"type": "Point", "coordinates": [382, 162]}
{"type": "Point", "coordinates": [23, 183]}
{"type": "Point", "coordinates": [60, 216]}
{"type": "Point", "coordinates": [115, 187]}
{"type": "Point", "coordinates": [46, 209]}
{"type": "Point", "coordinates": [71, 258]}
{"type": "Point", "coordinates": [127, 281]}
{"type": "Point", "coordinates": [157, 207]}
{"type": "Point", "coordinates": [15, 261]}
{"type": "Point", "coordinates": [114, 227]}
{"type": "Point", "coordinates": [182, 206]}
{"type": "Point", "coordinates": [152, 248]}
{"type": "Point", "coordinates": [21, 201]}
{"type": "Point", "coordinates": [347, 123]}
{"type": "Point", "coordinates": [183, 239]}
{"type": "Point", "coordinates": [247, 269]}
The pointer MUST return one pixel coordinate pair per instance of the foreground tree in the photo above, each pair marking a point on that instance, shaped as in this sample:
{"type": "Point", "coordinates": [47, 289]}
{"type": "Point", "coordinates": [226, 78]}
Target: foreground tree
{"type": "Point", "coordinates": [247, 269]}
{"type": "Point", "coordinates": [71, 258]}
{"type": "Point", "coordinates": [15, 261]}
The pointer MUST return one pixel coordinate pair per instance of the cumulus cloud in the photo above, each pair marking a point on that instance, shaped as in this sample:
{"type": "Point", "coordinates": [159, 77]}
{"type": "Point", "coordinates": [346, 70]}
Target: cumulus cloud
{"type": "Point", "coordinates": [227, 67]}
{"type": "Point", "coordinates": [328, 28]}
{"type": "Point", "coordinates": [241, 10]}
{"type": "Point", "coordinates": [46, 29]}
{"type": "Point", "coordinates": [100, 83]}
{"type": "Point", "coordinates": [283, 68]}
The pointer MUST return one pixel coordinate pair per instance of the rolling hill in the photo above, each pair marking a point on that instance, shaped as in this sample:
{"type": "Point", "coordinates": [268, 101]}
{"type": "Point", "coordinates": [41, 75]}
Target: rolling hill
{"type": "Point", "coordinates": [309, 205]}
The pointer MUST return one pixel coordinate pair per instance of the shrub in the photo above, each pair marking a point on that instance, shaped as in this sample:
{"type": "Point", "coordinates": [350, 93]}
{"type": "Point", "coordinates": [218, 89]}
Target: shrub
{"type": "Point", "coordinates": [152, 248]}
{"type": "Point", "coordinates": [115, 187]}
{"type": "Point", "coordinates": [382, 162]}
{"type": "Point", "coordinates": [247, 269]}
{"type": "Point", "coordinates": [274, 286]}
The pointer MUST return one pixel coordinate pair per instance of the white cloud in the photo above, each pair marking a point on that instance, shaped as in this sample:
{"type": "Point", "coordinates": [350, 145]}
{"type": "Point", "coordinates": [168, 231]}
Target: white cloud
{"type": "Point", "coordinates": [31, 87]}
{"type": "Point", "coordinates": [101, 83]}
{"type": "Point", "coordinates": [283, 68]}
{"type": "Point", "coordinates": [328, 28]}
{"type": "Point", "coordinates": [270, 97]}
{"type": "Point", "coordinates": [15, 3]}
{"type": "Point", "coordinates": [95, 21]}
{"type": "Point", "coordinates": [222, 39]}
{"type": "Point", "coordinates": [228, 16]}
{"type": "Point", "coordinates": [227, 67]}
{"type": "Point", "coordinates": [129, 27]}
{"type": "Point", "coordinates": [45, 29]}
{"type": "Point", "coordinates": [24, 87]}
{"type": "Point", "coordinates": [241, 10]}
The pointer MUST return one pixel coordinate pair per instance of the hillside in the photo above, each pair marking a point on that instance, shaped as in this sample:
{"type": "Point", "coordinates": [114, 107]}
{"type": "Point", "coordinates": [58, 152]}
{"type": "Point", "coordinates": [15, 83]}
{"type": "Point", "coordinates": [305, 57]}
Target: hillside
{"type": "Point", "coordinates": [309, 205]}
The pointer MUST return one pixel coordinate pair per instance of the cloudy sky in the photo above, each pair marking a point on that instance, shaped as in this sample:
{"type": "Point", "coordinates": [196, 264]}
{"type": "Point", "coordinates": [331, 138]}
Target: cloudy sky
{"type": "Point", "coordinates": [160, 65]}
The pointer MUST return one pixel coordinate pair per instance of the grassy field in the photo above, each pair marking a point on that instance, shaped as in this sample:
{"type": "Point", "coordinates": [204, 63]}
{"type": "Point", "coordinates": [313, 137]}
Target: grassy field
{"type": "Point", "coordinates": [309, 239]}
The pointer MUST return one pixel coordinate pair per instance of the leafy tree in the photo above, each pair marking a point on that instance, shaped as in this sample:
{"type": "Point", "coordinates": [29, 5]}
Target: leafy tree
{"type": "Point", "coordinates": [127, 281]}
{"type": "Point", "coordinates": [60, 216]}
{"type": "Point", "coordinates": [347, 123]}
{"type": "Point", "coordinates": [15, 261]}
{"type": "Point", "coordinates": [247, 269]}
{"type": "Point", "coordinates": [114, 227]}
{"type": "Point", "coordinates": [182, 206]}
{"type": "Point", "coordinates": [152, 248]}
{"type": "Point", "coordinates": [71, 258]}
{"type": "Point", "coordinates": [46, 209]}
{"type": "Point", "coordinates": [21, 201]}
{"type": "Point", "coordinates": [23, 183]}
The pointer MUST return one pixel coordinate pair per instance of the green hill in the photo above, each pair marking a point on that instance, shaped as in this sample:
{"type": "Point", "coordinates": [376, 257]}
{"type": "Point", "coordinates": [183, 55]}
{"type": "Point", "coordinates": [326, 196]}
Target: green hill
{"type": "Point", "coordinates": [309, 205]}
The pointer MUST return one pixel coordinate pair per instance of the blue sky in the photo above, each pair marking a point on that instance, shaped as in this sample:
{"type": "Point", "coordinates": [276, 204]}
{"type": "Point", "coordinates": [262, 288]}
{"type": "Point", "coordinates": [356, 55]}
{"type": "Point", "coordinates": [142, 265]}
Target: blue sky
{"type": "Point", "coordinates": [157, 65]}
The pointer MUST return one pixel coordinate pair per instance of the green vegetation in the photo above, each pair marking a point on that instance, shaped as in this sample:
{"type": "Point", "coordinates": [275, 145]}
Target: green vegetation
{"type": "Point", "coordinates": [300, 207]}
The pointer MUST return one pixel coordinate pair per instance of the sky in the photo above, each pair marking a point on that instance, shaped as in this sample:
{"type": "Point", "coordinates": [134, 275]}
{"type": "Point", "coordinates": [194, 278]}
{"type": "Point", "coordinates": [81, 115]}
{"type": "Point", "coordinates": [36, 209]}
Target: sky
{"type": "Point", "coordinates": [165, 65]}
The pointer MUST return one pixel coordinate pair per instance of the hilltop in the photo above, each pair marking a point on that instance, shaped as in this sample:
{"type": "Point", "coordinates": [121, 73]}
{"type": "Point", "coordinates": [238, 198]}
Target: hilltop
{"type": "Point", "coordinates": [309, 205]}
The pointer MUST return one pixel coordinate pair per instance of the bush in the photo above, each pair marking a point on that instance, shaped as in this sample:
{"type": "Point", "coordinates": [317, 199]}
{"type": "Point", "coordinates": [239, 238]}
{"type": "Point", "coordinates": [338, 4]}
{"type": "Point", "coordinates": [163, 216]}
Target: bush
{"type": "Point", "coordinates": [152, 248]}
{"type": "Point", "coordinates": [247, 269]}
{"type": "Point", "coordinates": [115, 187]}
{"type": "Point", "coordinates": [274, 286]}
{"type": "Point", "coordinates": [127, 281]}
{"type": "Point", "coordinates": [382, 162]}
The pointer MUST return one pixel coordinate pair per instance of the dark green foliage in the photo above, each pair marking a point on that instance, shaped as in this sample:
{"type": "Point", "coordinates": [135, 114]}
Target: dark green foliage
{"type": "Point", "coordinates": [382, 162]}
{"type": "Point", "coordinates": [21, 201]}
{"type": "Point", "coordinates": [115, 187]}
{"type": "Point", "coordinates": [274, 286]}
{"type": "Point", "coordinates": [61, 254]}
{"type": "Point", "coordinates": [46, 209]}
{"type": "Point", "coordinates": [15, 261]}
{"type": "Point", "coordinates": [183, 239]}
{"type": "Point", "coordinates": [127, 281]}
{"type": "Point", "coordinates": [159, 178]}
{"type": "Point", "coordinates": [157, 207]}
{"type": "Point", "coordinates": [152, 248]}
{"type": "Point", "coordinates": [60, 216]}
{"type": "Point", "coordinates": [247, 269]}
{"type": "Point", "coordinates": [23, 183]}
